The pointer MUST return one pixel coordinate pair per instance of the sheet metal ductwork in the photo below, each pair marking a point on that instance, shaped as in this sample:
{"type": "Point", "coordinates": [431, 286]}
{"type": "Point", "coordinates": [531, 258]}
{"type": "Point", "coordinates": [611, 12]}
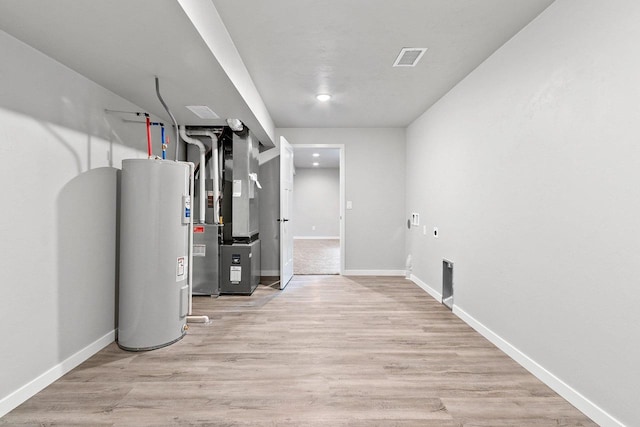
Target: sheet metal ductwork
{"type": "Point", "coordinates": [227, 245]}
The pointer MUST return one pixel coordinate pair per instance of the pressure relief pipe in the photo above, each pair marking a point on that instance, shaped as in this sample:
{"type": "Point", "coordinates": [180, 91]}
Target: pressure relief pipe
{"type": "Point", "coordinates": [216, 171]}
{"type": "Point", "coordinates": [192, 171]}
{"type": "Point", "coordinates": [200, 145]}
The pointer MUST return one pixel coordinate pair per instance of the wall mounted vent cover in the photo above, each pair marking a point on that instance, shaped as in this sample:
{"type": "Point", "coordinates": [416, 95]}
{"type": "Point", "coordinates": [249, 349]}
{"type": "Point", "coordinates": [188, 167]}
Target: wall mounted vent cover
{"type": "Point", "coordinates": [409, 56]}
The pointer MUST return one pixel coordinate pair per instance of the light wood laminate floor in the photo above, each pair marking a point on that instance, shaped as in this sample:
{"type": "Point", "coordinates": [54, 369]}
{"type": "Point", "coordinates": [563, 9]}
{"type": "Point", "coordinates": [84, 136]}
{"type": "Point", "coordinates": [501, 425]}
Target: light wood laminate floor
{"type": "Point", "coordinates": [316, 256]}
{"type": "Point", "coordinates": [326, 351]}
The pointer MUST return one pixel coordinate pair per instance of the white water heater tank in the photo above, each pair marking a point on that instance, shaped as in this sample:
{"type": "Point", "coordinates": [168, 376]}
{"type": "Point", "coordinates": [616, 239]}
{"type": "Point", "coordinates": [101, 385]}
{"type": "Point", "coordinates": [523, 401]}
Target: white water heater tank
{"type": "Point", "coordinates": [154, 225]}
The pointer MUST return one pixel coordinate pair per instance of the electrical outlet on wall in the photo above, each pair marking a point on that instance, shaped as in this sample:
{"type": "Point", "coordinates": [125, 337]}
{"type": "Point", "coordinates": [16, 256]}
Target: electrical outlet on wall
{"type": "Point", "coordinates": [415, 219]}
{"type": "Point", "coordinates": [313, 228]}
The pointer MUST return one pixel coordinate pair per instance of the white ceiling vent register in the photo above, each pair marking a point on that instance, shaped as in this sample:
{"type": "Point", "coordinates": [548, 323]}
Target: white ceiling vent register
{"type": "Point", "coordinates": [409, 56]}
{"type": "Point", "coordinates": [203, 111]}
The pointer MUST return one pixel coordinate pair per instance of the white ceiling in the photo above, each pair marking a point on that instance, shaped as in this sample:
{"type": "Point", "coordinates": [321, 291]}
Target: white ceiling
{"type": "Point", "coordinates": [328, 158]}
{"type": "Point", "coordinates": [292, 50]}
{"type": "Point", "coordinates": [295, 49]}
{"type": "Point", "coordinates": [123, 44]}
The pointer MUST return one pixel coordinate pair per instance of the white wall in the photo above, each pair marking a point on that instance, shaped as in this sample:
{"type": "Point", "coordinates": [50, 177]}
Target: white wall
{"type": "Point", "coordinates": [316, 202]}
{"type": "Point", "coordinates": [529, 168]}
{"type": "Point", "coordinates": [60, 153]}
{"type": "Point", "coordinates": [374, 182]}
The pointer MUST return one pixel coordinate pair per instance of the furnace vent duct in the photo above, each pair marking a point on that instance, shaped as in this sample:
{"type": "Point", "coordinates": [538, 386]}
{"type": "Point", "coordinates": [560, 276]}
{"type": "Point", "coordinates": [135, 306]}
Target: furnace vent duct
{"type": "Point", "coordinates": [202, 148]}
{"type": "Point", "coordinates": [216, 171]}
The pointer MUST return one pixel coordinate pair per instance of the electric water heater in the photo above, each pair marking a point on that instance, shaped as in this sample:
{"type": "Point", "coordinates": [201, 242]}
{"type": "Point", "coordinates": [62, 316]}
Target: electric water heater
{"type": "Point", "coordinates": [155, 214]}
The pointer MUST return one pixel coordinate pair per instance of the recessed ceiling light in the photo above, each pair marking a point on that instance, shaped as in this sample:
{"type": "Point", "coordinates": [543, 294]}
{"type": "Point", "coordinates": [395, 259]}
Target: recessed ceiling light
{"type": "Point", "coordinates": [323, 97]}
{"type": "Point", "coordinates": [316, 164]}
{"type": "Point", "coordinates": [316, 155]}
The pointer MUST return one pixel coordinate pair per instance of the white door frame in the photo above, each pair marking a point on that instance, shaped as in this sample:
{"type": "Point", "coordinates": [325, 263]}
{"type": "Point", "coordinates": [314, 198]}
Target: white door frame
{"type": "Point", "coordinates": [342, 196]}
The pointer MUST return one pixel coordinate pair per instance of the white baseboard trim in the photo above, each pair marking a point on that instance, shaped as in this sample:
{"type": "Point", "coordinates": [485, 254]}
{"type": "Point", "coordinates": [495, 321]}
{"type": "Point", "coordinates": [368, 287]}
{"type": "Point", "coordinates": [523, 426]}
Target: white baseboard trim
{"type": "Point", "coordinates": [316, 237]}
{"type": "Point", "coordinates": [373, 273]}
{"type": "Point", "coordinates": [583, 404]}
{"type": "Point", "coordinates": [15, 399]}
{"type": "Point", "coordinates": [435, 294]}
{"type": "Point", "coordinates": [587, 407]}
{"type": "Point", "coordinates": [269, 273]}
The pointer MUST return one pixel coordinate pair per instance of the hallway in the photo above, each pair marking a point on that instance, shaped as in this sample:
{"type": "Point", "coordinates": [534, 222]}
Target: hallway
{"type": "Point", "coordinates": [316, 256]}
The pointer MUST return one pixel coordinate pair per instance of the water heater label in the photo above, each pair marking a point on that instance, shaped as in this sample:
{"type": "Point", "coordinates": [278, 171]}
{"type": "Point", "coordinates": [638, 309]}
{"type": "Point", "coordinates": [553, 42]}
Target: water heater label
{"type": "Point", "coordinates": [181, 268]}
{"type": "Point", "coordinates": [235, 274]}
{"type": "Point", "coordinates": [186, 209]}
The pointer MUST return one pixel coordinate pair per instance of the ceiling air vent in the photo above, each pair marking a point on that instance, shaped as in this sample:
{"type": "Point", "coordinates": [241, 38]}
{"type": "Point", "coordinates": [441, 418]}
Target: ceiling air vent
{"type": "Point", "coordinates": [203, 111]}
{"type": "Point", "coordinates": [409, 56]}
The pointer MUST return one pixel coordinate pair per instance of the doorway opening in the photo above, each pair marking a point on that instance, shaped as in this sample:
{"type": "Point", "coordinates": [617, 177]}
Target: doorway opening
{"type": "Point", "coordinates": [316, 256]}
{"type": "Point", "coordinates": [317, 224]}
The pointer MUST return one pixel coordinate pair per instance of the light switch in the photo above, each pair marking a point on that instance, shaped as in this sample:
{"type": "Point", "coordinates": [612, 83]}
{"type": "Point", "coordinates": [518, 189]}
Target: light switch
{"type": "Point", "coordinates": [349, 204]}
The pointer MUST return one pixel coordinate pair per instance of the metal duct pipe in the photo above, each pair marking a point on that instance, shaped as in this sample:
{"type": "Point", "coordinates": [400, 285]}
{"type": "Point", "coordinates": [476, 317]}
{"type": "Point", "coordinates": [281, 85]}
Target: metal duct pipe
{"type": "Point", "coordinates": [200, 145]}
{"type": "Point", "coordinates": [216, 170]}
